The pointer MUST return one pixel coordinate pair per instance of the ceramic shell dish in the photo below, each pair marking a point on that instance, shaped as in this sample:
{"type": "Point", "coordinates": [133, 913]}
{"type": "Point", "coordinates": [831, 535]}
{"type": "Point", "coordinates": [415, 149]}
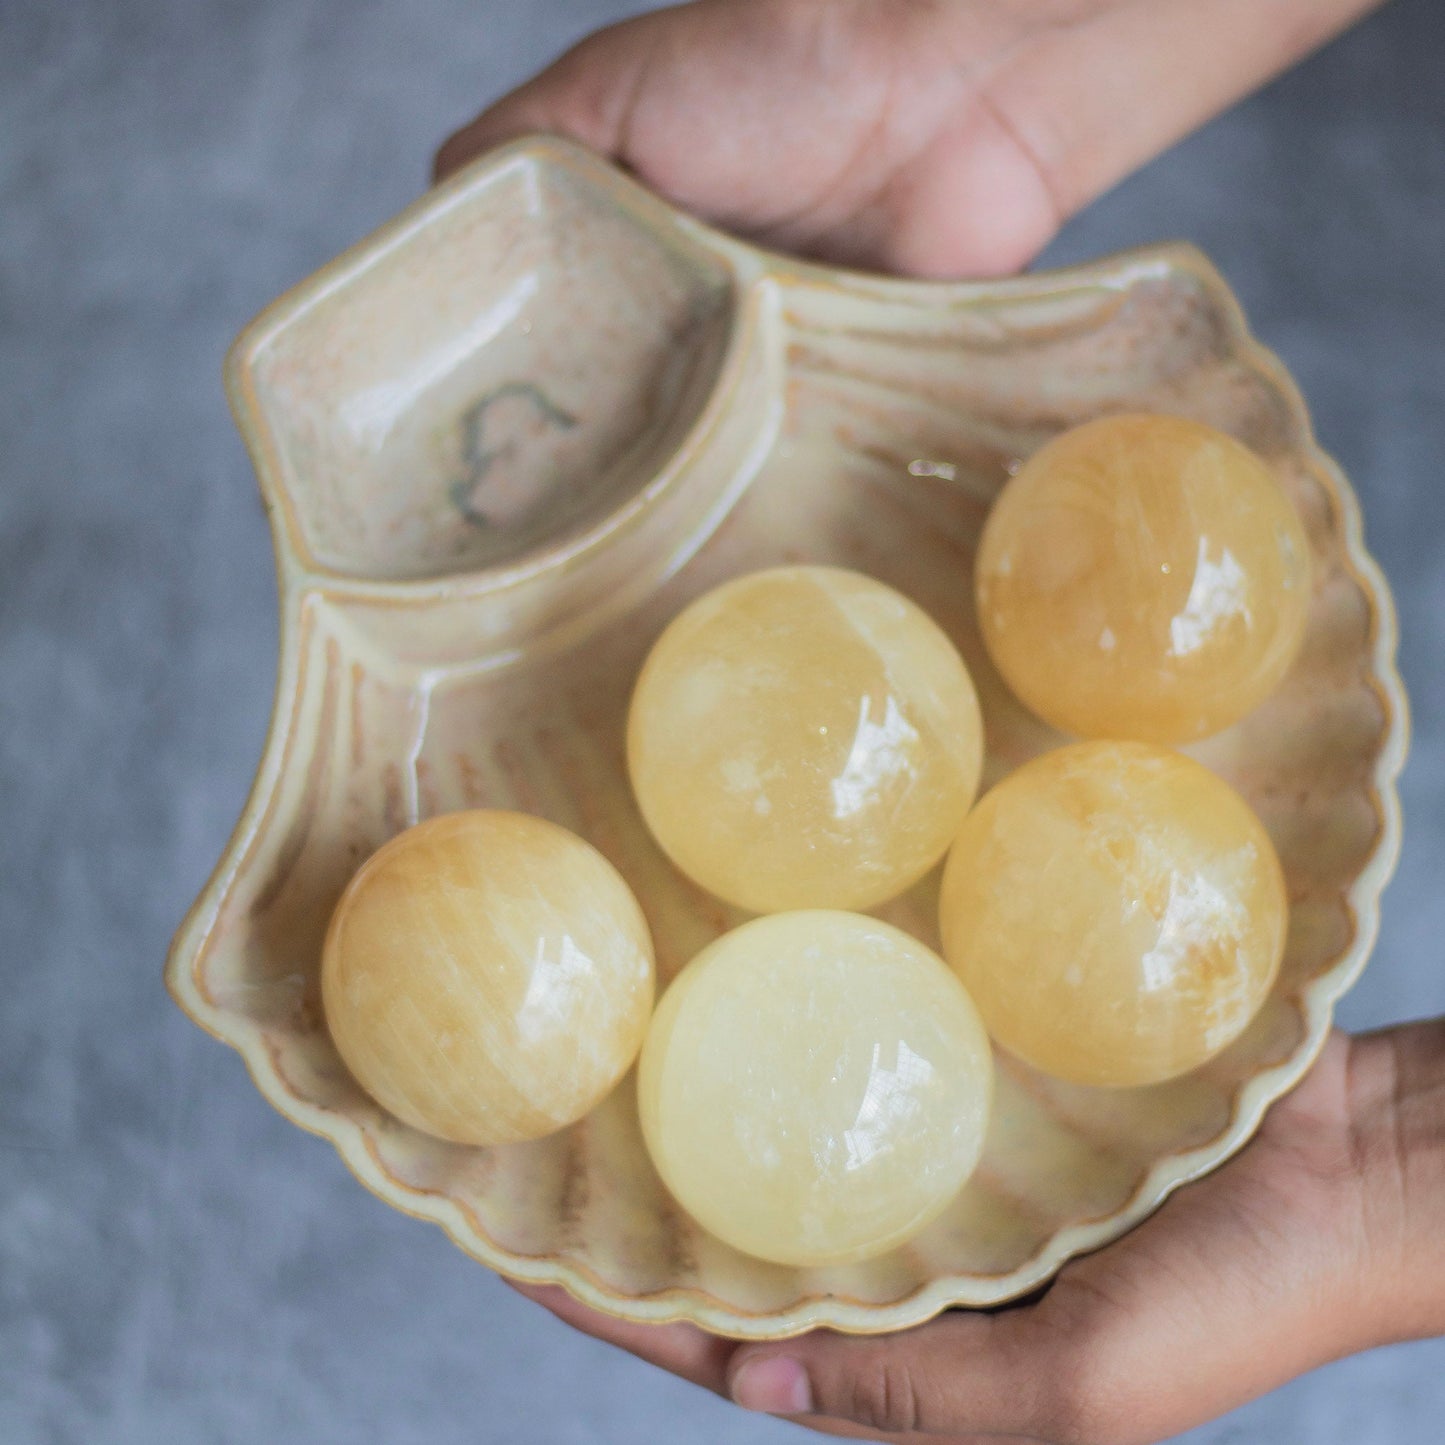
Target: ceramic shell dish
{"type": "Point", "coordinates": [509, 436]}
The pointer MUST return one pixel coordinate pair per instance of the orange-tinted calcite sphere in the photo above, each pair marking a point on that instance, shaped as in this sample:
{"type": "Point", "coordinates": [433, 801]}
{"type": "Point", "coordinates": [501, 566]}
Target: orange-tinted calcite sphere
{"type": "Point", "coordinates": [1143, 577]}
{"type": "Point", "coordinates": [804, 737]}
{"type": "Point", "coordinates": [487, 977]}
{"type": "Point", "coordinates": [1116, 911]}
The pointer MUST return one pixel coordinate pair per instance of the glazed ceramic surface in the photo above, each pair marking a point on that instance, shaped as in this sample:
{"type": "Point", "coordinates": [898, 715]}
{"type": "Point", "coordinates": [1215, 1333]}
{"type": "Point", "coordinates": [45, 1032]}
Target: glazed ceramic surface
{"type": "Point", "coordinates": [503, 442]}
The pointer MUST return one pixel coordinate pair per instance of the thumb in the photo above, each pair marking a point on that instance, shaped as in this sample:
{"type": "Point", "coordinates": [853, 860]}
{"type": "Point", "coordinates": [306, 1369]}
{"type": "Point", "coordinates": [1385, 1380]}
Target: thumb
{"type": "Point", "coordinates": [587, 94]}
{"type": "Point", "coordinates": [962, 1374]}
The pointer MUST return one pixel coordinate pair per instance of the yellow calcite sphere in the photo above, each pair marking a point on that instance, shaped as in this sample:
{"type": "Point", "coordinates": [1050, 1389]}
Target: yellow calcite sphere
{"type": "Point", "coordinates": [1116, 911]}
{"type": "Point", "coordinates": [815, 1087]}
{"type": "Point", "coordinates": [487, 977]}
{"type": "Point", "coordinates": [1143, 577]}
{"type": "Point", "coordinates": [804, 738]}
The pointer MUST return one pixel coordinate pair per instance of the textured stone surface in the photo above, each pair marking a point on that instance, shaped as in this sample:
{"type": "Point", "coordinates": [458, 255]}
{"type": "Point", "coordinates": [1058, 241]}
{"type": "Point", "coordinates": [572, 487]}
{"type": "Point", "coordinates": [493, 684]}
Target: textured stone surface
{"type": "Point", "coordinates": [487, 977]}
{"type": "Point", "coordinates": [177, 1261]}
{"type": "Point", "coordinates": [804, 737]}
{"type": "Point", "coordinates": [1143, 577]}
{"type": "Point", "coordinates": [1116, 912]}
{"type": "Point", "coordinates": [815, 1087]}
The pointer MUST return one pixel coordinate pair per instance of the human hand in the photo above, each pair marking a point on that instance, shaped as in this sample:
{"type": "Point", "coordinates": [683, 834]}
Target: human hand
{"type": "Point", "coordinates": [927, 137]}
{"type": "Point", "coordinates": [1325, 1236]}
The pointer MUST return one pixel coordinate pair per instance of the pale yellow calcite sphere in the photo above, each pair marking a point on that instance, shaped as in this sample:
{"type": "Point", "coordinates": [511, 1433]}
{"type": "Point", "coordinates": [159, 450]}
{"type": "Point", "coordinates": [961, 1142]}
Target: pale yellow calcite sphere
{"type": "Point", "coordinates": [804, 738]}
{"type": "Point", "coordinates": [1116, 911]}
{"type": "Point", "coordinates": [487, 977]}
{"type": "Point", "coordinates": [1143, 577]}
{"type": "Point", "coordinates": [815, 1087]}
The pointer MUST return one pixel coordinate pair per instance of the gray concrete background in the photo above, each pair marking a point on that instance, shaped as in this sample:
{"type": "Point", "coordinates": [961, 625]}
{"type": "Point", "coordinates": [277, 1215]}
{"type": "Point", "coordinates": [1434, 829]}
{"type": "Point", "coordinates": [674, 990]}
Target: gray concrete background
{"type": "Point", "coordinates": [177, 1263]}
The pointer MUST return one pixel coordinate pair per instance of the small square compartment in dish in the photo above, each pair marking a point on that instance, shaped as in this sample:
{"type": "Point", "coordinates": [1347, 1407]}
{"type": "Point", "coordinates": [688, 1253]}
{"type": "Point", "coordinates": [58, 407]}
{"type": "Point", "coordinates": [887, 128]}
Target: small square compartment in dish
{"type": "Point", "coordinates": [491, 380]}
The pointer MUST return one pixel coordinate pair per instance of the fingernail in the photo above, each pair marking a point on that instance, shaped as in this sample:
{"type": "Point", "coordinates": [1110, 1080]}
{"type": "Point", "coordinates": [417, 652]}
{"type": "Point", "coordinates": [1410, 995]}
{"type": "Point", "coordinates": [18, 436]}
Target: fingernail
{"type": "Point", "coordinates": [773, 1384]}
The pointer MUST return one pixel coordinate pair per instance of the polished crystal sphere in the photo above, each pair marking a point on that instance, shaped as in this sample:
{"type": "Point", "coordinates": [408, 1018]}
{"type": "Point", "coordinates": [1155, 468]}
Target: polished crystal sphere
{"type": "Point", "coordinates": [1143, 577]}
{"type": "Point", "coordinates": [487, 977]}
{"type": "Point", "coordinates": [1116, 911]}
{"type": "Point", "coordinates": [815, 1087]}
{"type": "Point", "coordinates": [804, 738]}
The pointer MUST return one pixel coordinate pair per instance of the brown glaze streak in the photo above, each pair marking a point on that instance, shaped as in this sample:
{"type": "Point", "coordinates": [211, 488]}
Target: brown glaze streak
{"type": "Point", "coordinates": [473, 1175]}
{"type": "Point", "coordinates": [576, 1192]}
{"type": "Point", "coordinates": [677, 1233]}
{"type": "Point", "coordinates": [469, 778]}
{"type": "Point", "coordinates": [358, 728]}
